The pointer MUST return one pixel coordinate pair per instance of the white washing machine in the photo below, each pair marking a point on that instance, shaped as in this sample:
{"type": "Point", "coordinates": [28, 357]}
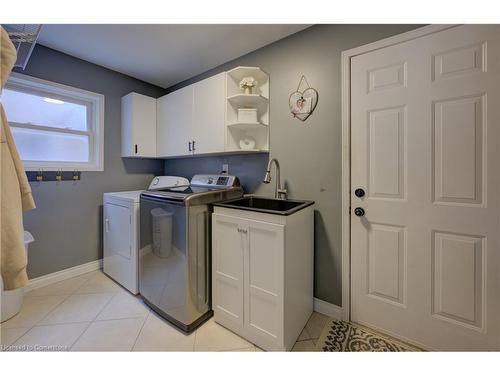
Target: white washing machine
{"type": "Point", "coordinates": [121, 230]}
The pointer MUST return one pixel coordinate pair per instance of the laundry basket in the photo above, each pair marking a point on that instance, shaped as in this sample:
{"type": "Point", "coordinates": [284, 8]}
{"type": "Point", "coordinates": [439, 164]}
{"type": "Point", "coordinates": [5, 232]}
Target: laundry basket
{"type": "Point", "coordinates": [162, 232]}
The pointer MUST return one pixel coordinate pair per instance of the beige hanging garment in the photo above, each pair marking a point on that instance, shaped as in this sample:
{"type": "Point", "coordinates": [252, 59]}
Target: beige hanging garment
{"type": "Point", "coordinates": [15, 196]}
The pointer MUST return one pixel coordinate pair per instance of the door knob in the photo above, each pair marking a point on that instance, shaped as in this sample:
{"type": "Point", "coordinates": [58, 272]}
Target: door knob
{"type": "Point", "coordinates": [359, 193]}
{"type": "Point", "coordinates": [358, 211]}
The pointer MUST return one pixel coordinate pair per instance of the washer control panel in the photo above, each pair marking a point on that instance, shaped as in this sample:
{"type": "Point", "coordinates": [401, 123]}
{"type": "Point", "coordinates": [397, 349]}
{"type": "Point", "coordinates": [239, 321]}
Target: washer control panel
{"type": "Point", "coordinates": [215, 180]}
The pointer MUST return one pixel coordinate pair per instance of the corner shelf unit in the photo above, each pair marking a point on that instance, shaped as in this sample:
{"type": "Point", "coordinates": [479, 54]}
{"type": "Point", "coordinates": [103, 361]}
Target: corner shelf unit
{"type": "Point", "coordinates": [235, 99]}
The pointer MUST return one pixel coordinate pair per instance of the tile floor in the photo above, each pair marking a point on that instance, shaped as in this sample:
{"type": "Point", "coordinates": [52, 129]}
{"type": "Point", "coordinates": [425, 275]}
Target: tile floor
{"type": "Point", "coordinates": [93, 313]}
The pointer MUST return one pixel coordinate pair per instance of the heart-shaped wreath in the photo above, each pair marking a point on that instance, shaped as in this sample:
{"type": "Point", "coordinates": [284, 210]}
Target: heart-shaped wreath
{"type": "Point", "coordinates": [303, 102]}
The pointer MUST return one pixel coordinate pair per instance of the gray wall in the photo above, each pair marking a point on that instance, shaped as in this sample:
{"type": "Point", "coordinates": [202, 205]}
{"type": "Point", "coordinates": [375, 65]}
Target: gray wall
{"type": "Point", "coordinates": [68, 219]}
{"type": "Point", "coordinates": [309, 152]}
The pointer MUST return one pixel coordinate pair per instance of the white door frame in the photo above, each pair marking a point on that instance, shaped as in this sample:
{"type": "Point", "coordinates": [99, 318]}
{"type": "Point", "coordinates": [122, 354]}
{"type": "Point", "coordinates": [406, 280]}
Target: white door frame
{"type": "Point", "coordinates": [346, 146]}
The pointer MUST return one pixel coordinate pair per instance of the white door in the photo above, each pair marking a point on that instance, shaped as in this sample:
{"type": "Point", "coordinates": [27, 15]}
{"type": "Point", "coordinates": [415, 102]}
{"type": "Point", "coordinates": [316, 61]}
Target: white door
{"type": "Point", "coordinates": [174, 123]}
{"type": "Point", "coordinates": [144, 125]}
{"type": "Point", "coordinates": [120, 256]}
{"type": "Point", "coordinates": [264, 280]}
{"type": "Point", "coordinates": [138, 125]}
{"type": "Point", "coordinates": [227, 270]}
{"type": "Point", "coordinates": [209, 114]}
{"type": "Point", "coordinates": [117, 229]}
{"type": "Point", "coordinates": [425, 118]}
{"type": "Point", "coordinates": [117, 261]}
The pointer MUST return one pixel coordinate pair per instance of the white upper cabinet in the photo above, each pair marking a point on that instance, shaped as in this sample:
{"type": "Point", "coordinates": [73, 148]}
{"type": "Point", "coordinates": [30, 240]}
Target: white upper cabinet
{"type": "Point", "coordinates": [138, 126]}
{"type": "Point", "coordinates": [191, 120]}
{"type": "Point", "coordinates": [175, 123]}
{"type": "Point", "coordinates": [209, 115]}
{"type": "Point", "coordinates": [198, 119]}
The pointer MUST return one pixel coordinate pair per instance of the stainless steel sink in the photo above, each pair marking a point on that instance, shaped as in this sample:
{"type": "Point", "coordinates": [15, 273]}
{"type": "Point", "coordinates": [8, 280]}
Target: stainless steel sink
{"type": "Point", "coordinates": [266, 205]}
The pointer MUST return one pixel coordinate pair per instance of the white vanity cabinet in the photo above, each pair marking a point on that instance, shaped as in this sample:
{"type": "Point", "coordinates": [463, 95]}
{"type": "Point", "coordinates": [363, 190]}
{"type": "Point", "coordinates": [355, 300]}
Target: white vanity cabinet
{"type": "Point", "coordinates": [262, 274]}
{"type": "Point", "coordinates": [191, 120]}
{"type": "Point", "coordinates": [138, 126]}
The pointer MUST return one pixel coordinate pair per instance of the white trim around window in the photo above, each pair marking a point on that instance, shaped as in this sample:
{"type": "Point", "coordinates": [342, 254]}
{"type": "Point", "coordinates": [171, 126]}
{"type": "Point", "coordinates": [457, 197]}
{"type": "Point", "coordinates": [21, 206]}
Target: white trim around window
{"type": "Point", "coordinates": [95, 121]}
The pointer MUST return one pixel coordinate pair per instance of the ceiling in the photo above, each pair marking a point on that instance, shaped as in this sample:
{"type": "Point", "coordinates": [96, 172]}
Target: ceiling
{"type": "Point", "coordinates": [161, 54]}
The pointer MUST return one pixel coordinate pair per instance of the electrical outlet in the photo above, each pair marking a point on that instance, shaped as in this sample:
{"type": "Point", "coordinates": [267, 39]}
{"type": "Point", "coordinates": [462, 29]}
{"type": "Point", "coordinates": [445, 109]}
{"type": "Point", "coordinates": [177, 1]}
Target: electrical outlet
{"type": "Point", "coordinates": [225, 168]}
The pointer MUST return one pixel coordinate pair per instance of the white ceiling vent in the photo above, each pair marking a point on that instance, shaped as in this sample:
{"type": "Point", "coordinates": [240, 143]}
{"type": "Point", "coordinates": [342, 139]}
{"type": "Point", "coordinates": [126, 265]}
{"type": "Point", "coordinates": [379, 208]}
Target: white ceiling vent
{"type": "Point", "coordinates": [24, 38]}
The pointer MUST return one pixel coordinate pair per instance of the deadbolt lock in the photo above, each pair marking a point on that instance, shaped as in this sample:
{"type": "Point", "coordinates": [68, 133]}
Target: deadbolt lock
{"type": "Point", "coordinates": [359, 193]}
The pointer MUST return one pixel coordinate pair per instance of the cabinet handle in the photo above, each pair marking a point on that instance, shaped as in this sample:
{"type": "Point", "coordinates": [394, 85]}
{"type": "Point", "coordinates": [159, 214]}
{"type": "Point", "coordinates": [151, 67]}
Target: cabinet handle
{"type": "Point", "coordinates": [193, 146]}
{"type": "Point", "coordinates": [136, 149]}
{"type": "Point", "coordinates": [107, 225]}
{"type": "Point", "coordinates": [189, 146]}
{"type": "Point", "coordinates": [242, 230]}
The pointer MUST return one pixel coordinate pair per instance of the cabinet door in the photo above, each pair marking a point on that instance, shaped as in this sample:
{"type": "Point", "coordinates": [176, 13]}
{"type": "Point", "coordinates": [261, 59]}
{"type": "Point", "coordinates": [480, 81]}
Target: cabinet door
{"type": "Point", "coordinates": [174, 123]}
{"type": "Point", "coordinates": [227, 270]}
{"type": "Point", "coordinates": [117, 246]}
{"type": "Point", "coordinates": [264, 282]}
{"type": "Point", "coordinates": [117, 228]}
{"type": "Point", "coordinates": [138, 126]}
{"type": "Point", "coordinates": [209, 114]}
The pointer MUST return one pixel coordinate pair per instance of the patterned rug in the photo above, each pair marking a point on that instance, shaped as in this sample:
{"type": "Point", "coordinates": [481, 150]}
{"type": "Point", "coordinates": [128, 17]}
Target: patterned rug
{"type": "Point", "coordinates": [340, 336]}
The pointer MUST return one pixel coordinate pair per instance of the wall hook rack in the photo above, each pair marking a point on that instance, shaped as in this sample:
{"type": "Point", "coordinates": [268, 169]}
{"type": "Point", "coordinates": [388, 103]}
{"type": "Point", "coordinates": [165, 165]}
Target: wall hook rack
{"type": "Point", "coordinates": [59, 175]}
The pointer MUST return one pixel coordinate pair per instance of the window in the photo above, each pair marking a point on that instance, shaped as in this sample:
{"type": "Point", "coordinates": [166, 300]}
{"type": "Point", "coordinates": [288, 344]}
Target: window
{"type": "Point", "coordinates": [55, 126]}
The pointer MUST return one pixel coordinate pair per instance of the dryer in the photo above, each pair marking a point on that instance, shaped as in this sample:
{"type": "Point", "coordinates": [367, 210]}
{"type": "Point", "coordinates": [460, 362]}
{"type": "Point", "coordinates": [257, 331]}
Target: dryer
{"type": "Point", "coordinates": [121, 231]}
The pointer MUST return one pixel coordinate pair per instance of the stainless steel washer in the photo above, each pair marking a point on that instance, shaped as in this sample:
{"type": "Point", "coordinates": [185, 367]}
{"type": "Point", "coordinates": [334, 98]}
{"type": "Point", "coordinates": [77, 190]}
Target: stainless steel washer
{"type": "Point", "coordinates": [175, 249]}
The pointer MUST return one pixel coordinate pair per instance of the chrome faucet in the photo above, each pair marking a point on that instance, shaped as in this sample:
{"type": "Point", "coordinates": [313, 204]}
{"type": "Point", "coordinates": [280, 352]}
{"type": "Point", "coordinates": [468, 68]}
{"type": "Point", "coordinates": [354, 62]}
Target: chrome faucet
{"type": "Point", "coordinates": [279, 192]}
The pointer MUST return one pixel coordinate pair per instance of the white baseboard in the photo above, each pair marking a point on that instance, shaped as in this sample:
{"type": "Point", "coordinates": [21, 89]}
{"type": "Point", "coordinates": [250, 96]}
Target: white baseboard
{"type": "Point", "coordinates": [328, 308]}
{"type": "Point", "coordinates": [68, 273]}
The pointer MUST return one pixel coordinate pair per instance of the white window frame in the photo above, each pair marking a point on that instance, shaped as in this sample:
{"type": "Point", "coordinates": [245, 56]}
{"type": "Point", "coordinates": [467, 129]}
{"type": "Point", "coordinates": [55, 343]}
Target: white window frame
{"type": "Point", "coordinates": [95, 121]}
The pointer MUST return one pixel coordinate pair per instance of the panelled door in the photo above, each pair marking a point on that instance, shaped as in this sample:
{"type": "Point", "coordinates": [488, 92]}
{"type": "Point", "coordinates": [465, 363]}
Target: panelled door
{"type": "Point", "coordinates": [174, 116]}
{"type": "Point", "coordinates": [263, 280]}
{"type": "Point", "coordinates": [227, 270]}
{"type": "Point", "coordinates": [209, 114]}
{"type": "Point", "coordinates": [117, 226]}
{"type": "Point", "coordinates": [425, 150]}
{"type": "Point", "coordinates": [248, 273]}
